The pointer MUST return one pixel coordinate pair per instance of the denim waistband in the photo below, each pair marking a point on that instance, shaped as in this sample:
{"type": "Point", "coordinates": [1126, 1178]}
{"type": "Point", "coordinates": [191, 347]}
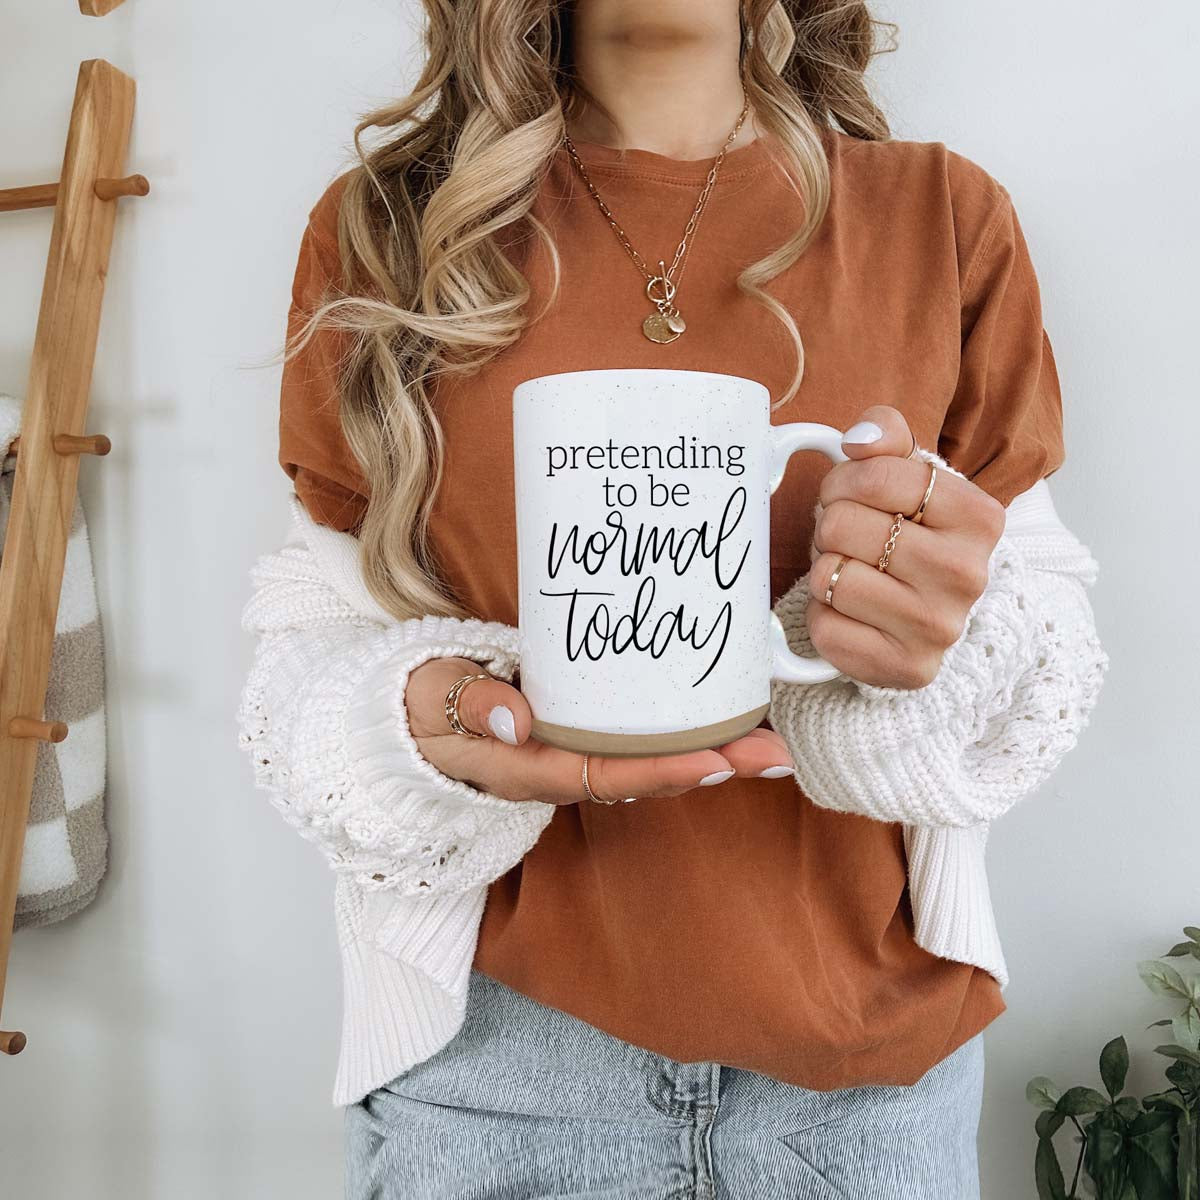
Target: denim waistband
{"type": "Point", "coordinates": [527, 1100]}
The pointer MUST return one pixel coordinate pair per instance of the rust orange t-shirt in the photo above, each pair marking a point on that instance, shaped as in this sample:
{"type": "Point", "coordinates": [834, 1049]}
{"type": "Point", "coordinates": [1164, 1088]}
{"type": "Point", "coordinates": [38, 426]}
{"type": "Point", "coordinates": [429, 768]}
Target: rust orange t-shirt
{"type": "Point", "coordinates": [740, 924]}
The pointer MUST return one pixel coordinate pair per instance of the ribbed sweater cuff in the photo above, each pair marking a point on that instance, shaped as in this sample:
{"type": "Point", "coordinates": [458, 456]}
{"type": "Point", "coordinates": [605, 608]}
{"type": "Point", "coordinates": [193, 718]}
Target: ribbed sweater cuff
{"type": "Point", "coordinates": [857, 759]}
{"type": "Point", "coordinates": [490, 833]}
{"type": "Point", "coordinates": [436, 936]}
{"type": "Point", "coordinates": [898, 755]}
{"type": "Point", "coordinates": [405, 991]}
{"type": "Point", "coordinates": [951, 901]}
{"type": "Point", "coordinates": [381, 745]}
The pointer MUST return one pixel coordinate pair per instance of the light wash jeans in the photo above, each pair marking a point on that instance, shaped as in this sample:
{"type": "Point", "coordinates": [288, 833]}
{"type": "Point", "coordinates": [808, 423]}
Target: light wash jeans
{"type": "Point", "coordinates": [530, 1103]}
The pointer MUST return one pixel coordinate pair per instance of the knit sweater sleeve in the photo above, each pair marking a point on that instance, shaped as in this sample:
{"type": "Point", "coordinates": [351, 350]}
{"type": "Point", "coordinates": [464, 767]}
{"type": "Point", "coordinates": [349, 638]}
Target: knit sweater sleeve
{"type": "Point", "coordinates": [322, 717]}
{"type": "Point", "coordinates": [1011, 697]}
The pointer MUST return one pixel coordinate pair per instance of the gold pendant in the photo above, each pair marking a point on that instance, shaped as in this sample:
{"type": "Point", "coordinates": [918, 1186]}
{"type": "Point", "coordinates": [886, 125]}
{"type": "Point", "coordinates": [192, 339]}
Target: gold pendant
{"type": "Point", "coordinates": [657, 327]}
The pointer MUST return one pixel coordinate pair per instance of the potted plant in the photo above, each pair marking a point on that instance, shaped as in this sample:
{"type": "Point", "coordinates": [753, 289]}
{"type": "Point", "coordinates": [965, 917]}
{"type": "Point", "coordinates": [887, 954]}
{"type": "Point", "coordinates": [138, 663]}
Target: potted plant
{"type": "Point", "coordinates": [1130, 1148]}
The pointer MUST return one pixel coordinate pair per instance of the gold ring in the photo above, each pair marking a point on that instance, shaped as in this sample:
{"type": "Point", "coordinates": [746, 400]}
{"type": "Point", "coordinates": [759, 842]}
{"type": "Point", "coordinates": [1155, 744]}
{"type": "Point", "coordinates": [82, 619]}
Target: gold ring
{"type": "Point", "coordinates": [837, 573]}
{"type": "Point", "coordinates": [919, 515]}
{"type": "Point", "coordinates": [886, 557]}
{"type": "Point", "coordinates": [587, 788]}
{"type": "Point", "coordinates": [452, 697]}
{"type": "Point", "coordinates": [913, 451]}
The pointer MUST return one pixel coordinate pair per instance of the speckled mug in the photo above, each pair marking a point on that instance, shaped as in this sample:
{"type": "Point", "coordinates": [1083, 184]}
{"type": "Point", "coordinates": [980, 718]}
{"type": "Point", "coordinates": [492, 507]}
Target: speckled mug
{"type": "Point", "coordinates": [643, 510]}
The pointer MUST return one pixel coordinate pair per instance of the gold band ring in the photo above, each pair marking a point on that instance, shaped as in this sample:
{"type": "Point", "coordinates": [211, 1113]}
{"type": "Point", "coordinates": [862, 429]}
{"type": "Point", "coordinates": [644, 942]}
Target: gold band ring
{"type": "Point", "coordinates": [912, 453]}
{"type": "Point", "coordinates": [587, 788]}
{"type": "Point", "coordinates": [885, 558]}
{"type": "Point", "coordinates": [919, 515]}
{"type": "Point", "coordinates": [837, 574]}
{"type": "Point", "coordinates": [452, 697]}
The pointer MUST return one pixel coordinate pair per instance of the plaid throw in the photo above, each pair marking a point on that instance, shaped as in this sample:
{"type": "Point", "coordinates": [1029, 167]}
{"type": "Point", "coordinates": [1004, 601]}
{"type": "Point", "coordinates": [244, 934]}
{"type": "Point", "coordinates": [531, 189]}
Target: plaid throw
{"type": "Point", "coordinates": [66, 843]}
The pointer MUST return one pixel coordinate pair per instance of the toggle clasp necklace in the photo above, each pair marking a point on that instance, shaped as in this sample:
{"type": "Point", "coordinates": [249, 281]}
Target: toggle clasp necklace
{"type": "Point", "coordinates": [666, 322]}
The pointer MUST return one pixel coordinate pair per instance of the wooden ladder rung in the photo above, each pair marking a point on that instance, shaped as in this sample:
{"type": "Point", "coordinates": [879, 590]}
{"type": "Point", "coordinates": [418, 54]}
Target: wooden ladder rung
{"type": "Point", "coordinates": [45, 195]}
{"type": "Point", "coordinates": [98, 8]}
{"type": "Point", "coordinates": [12, 1042]}
{"type": "Point", "coordinates": [71, 443]}
{"type": "Point", "coordinates": [37, 195]}
{"type": "Point", "coordinates": [32, 727]}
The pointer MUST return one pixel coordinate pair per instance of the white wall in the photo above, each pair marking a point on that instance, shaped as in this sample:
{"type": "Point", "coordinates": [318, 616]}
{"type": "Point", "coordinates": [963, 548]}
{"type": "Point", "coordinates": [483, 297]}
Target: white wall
{"type": "Point", "coordinates": [183, 1029]}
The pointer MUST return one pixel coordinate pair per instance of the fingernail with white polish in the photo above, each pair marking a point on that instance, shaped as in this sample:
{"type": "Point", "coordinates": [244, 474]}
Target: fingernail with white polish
{"type": "Point", "coordinates": [501, 723]}
{"type": "Point", "coordinates": [777, 772]}
{"type": "Point", "coordinates": [862, 434]}
{"type": "Point", "coordinates": [715, 778]}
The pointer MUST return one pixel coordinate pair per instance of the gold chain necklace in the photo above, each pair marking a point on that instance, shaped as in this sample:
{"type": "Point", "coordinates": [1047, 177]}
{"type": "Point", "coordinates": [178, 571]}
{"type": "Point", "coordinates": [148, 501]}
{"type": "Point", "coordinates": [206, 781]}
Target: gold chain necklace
{"type": "Point", "coordinates": [665, 323]}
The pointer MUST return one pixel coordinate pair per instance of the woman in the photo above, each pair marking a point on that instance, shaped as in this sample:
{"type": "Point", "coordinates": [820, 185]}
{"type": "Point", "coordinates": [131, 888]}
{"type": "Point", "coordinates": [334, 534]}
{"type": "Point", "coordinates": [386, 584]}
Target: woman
{"type": "Point", "coordinates": [733, 986]}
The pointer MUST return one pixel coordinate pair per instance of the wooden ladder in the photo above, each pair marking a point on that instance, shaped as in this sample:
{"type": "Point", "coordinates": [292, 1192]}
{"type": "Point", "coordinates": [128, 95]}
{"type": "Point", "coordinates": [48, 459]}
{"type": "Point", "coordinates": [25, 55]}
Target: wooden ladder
{"type": "Point", "coordinates": [52, 439]}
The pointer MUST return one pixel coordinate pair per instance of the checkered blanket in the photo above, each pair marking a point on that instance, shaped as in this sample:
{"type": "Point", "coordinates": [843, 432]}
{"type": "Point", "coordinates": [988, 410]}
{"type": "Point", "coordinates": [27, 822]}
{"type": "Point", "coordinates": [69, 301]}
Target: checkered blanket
{"type": "Point", "coordinates": [66, 843]}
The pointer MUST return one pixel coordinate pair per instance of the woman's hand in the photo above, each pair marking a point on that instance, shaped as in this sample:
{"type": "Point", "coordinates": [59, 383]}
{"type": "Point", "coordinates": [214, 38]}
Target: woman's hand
{"type": "Point", "coordinates": [507, 763]}
{"type": "Point", "coordinates": [891, 629]}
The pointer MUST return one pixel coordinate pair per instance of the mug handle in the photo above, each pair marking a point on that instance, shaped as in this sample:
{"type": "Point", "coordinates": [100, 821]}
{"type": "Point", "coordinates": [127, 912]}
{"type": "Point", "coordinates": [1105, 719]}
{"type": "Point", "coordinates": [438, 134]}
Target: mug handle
{"type": "Point", "coordinates": [786, 440]}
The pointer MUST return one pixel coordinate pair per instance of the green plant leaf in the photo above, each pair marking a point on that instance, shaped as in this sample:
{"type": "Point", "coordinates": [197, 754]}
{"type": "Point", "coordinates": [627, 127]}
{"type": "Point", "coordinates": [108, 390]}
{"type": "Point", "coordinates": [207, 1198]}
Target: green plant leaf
{"type": "Point", "coordinates": [1151, 1126]}
{"type": "Point", "coordinates": [1043, 1092]}
{"type": "Point", "coordinates": [1114, 1066]}
{"type": "Point", "coordinates": [1181, 1053]}
{"type": "Point", "coordinates": [1185, 1076]}
{"type": "Point", "coordinates": [1170, 1099]}
{"type": "Point", "coordinates": [1151, 1152]}
{"type": "Point", "coordinates": [1179, 950]}
{"type": "Point", "coordinates": [1079, 1100]}
{"type": "Point", "coordinates": [1103, 1155]}
{"type": "Point", "coordinates": [1163, 980]}
{"type": "Point", "coordinates": [1151, 1181]}
{"type": "Point", "coordinates": [1186, 1028]}
{"type": "Point", "coordinates": [1187, 1176]}
{"type": "Point", "coordinates": [1049, 1123]}
{"type": "Point", "coordinates": [1156, 1024]}
{"type": "Point", "coordinates": [1047, 1172]}
{"type": "Point", "coordinates": [1193, 932]}
{"type": "Point", "coordinates": [1128, 1109]}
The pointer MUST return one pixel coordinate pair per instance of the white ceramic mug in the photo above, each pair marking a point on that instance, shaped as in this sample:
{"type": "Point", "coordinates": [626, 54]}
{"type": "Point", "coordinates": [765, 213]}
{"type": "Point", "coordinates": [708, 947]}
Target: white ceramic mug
{"type": "Point", "coordinates": [643, 509]}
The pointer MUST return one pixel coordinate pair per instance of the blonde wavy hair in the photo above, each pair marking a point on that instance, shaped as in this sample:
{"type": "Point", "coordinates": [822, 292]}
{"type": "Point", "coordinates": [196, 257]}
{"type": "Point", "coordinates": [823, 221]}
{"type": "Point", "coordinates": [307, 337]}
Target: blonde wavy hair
{"type": "Point", "coordinates": [428, 291]}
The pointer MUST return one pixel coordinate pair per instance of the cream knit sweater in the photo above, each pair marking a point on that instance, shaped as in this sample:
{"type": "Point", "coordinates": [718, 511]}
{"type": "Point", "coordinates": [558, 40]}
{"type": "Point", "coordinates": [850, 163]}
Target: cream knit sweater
{"type": "Point", "coordinates": [322, 717]}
